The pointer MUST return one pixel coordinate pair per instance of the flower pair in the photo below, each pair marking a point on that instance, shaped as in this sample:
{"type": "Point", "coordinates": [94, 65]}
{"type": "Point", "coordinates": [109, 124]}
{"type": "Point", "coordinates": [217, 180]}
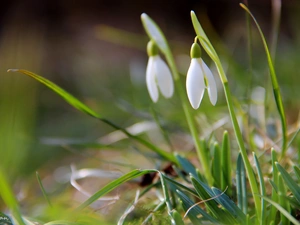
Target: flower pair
{"type": "Point", "coordinates": [199, 77]}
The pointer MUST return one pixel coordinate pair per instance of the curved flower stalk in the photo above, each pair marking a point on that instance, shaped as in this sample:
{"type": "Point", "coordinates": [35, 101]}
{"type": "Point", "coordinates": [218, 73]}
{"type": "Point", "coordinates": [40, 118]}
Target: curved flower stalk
{"type": "Point", "coordinates": [158, 75]}
{"type": "Point", "coordinates": [198, 78]}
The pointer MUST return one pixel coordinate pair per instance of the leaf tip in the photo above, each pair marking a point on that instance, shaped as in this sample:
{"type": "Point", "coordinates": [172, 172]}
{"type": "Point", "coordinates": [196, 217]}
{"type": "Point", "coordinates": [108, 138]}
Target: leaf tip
{"type": "Point", "coordinates": [242, 5]}
{"type": "Point", "coordinates": [12, 70]}
{"type": "Point", "coordinates": [144, 16]}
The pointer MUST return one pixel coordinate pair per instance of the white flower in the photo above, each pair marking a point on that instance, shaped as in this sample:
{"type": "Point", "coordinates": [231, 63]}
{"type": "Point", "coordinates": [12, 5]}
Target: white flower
{"type": "Point", "coordinates": [159, 74]}
{"type": "Point", "coordinates": [198, 78]}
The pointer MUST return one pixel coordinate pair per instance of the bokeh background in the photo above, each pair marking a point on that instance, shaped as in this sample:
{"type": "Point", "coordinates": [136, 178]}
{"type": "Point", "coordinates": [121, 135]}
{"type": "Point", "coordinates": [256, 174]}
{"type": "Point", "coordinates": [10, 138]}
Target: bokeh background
{"type": "Point", "coordinates": [96, 51]}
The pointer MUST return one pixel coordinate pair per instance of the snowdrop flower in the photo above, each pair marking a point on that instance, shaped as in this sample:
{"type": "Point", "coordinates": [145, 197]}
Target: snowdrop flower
{"type": "Point", "coordinates": [158, 75]}
{"type": "Point", "coordinates": [198, 78]}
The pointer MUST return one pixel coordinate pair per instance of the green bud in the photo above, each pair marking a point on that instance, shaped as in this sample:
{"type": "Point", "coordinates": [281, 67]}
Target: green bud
{"type": "Point", "coordinates": [152, 49]}
{"type": "Point", "coordinates": [195, 51]}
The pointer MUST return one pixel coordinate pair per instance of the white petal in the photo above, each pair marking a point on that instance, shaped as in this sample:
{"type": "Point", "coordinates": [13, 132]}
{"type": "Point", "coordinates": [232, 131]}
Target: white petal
{"type": "Point", "coordinates": [195, 83]}
{"type": "Point", "coordinates": [211, 87]}
{"type": "Point", "coordinates": [163, 77]}
{"type": "Point", "coordinates": [151, 81]}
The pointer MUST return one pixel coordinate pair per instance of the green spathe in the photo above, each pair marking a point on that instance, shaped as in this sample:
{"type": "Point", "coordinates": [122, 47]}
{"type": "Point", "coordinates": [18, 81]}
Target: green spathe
{"type": "Point", "coordinates": [152, 49]}
{"type": "Point", "coordinates": [195, 51]}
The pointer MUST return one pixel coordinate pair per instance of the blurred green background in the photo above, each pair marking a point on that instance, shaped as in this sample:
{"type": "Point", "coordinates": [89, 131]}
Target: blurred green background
{"type": "Point", "coordinates": [96, 51]}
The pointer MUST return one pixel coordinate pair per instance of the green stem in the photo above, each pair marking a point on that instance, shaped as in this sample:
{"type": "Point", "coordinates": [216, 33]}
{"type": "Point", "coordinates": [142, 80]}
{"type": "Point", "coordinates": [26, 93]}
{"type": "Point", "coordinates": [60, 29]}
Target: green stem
{"type": "Point", "coordinates": [239, 137]}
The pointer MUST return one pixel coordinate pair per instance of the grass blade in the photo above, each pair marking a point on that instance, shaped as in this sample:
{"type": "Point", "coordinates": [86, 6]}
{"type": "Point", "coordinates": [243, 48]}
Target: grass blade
{"type": "Point", "coordinates": [186, 165]}
{"type": "Point", "coordinates": [297, 172]}
{"type": "Point", "coordinates": [65, 95]}
{"type": "Point", "coordinates": [241, 187]}
{"type": "Point", "coordinates": [283, 211]}
{"type": "Point", "coordinates": [211, 204]}
{"type": "Point", "coordinates": [276, 90]}
{"type": "Point", "coordinates": [193, 212]}
{"type": "Point", "coordinates": [274, 183]}
{"type": "Point", "coordinates": [177, 218]}
{"type": "Point", "coordinates": [282, 200]}
{"type": "Point", "coordinates": [112, 185]}
{"type": "Point", "coordinates": [85, 109]}
{"type": "Point", "coordinates": [292, 185]}
{"type": "Point", "coordinates": [42, 188]}
{"type": "Point", "coordinates": [226, 164]}
{"type": "Point", "coordinates": [229, 205]}
{"type": "Point", "coordinates": [166, 194]}
{"type": "Point", "coordinates": [216, 167]}
{"type": "Point", "coordinates": [181, 186]}
{"type": "Point", "coordinates": [262, 190]}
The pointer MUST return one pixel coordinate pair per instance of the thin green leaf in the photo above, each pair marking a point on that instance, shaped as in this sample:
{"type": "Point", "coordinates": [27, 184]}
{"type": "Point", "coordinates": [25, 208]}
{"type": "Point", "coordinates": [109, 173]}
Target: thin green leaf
{"type": "Point", "coordinates": [297, 172]}
{"type": "Point", "coordinates": [276, 89]}
{"type": "Point", "coordinates": [229, 205]}
{"type": "Point", "coordinates": [193, 212]}
{"type": "Point", "coordinates": [226, 164]}
{"type": "Point", "coordinates": [181, 186]}
{"type": "Point", "coordinates": [292, 185]}
{"type": "Point", "coordinates": [210, 203]}
{"type": "Point", "coordinates": [166, 193]}
{"type": "Point", "coordinates": [283, 211]}
{"type": "Point", "coordinates": [177, 218]}
{"type": "Point", "coordinates": [202, 36]}
{"type": "Point", "coordinates": [262, 190]}
{"type": "Point", "coordinates": [186, 165]}
{"type": "Point", "coordinates": [282, 200]}
{"type": "Point", "coordinates": [42, 188]}
{"type": "Point", "coordinates": [293, 138]}
{"type": "Point", "coordinates": [241, 187]}
{"type": "Point", "coordinates": [65, 95]}
{"type": "Point", "coordinates": [85, 109]}
{"type": "Point", "coordinates": [274, 186]}
{"type": "Point", "coordinates": [274, 183]}
{"type": "Point", "coordinates": [155, 33]}
{"type": "Point", "coordinates": [216, 165]}
{"type": "Point", "coordinates": [112, 185]}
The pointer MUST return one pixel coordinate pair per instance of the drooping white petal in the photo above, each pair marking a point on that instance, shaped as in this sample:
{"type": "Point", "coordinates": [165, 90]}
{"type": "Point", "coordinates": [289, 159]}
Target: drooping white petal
{"type": "Point", "coordinates": [163, 77]}
{"type": "Point", "coordinates": [195, 83]}
{"type": "Point", "coordinates": [151, 80]}
{"type": "Point", "coordinates": [211, 86]}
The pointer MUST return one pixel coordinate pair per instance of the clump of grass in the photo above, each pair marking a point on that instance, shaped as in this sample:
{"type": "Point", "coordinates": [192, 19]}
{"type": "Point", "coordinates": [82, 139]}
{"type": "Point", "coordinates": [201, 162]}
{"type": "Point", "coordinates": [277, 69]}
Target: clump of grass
{"type": "Point", "coordinates": [264, 190]}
